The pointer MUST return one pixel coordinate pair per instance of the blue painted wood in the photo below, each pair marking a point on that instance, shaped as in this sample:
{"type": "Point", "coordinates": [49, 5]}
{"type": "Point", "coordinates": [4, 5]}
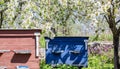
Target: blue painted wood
{"type": "Point", "coordinates": [67, 50]}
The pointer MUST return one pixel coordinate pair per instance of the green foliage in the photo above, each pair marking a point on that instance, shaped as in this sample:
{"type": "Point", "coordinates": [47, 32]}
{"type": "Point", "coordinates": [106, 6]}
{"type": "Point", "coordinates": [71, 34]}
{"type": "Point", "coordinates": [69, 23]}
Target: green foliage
{"type": "Point", "coordinates": [46, 66]}
{"type": "Point", "coordinates": [99, 62]}
{"type": "Point", "coordinates": [106, 37]}
{"type": "Point", "coordinates": [94, 62]}
{"type": "Point", "coordinates": [42, 41]}
{"type": "Point", "coordinates": [101, 37]}
{"type": "Point", "coordinates": [1, 2]}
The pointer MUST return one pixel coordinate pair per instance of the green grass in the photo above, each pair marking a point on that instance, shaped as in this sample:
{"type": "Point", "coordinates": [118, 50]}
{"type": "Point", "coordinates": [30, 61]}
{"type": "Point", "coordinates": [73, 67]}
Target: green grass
{"type": "Point", "coordinates": [42, 41]}
{"type": "Point", "coordinates": [101, 37]}
{"type": "Point", "coordinates": [99, 62]}
{"type": "Point", "coordinates": [94, 62]}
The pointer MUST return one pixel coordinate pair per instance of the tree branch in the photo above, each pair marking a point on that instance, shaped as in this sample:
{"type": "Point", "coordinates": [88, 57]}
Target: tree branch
{"type": "Point", "coordinates": [1, 16]}
{"type": "Point", "coordinates": [1, 20]}
{"type": "Point", "coordinates": [113, 7]}
{"type": "Point", "coordinates": [111, 21]}
{"type": "Point", "coordinates": [119, 30]}
{"type": "Point", "coordinates": [106, 18]}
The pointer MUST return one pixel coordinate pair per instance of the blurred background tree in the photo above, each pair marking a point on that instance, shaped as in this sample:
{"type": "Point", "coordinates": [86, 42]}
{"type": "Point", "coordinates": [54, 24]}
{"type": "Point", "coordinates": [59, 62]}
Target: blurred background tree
{"type": "Point", "coordinates": [64, 17]}
{"type": "Point", "coordinates": [57, 17]}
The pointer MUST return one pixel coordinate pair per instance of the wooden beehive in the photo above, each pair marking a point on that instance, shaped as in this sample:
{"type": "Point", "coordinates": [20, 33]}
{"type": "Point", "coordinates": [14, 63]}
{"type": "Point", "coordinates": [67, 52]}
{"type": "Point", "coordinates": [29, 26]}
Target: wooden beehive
{"type": "Point", "coordinates": [19, 48]}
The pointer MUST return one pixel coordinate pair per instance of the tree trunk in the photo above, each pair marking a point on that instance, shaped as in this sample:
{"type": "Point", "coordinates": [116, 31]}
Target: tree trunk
{"type": "Point", "coordinates": [116, 46]}
{"type": "Point", "coordinates": [1, 20]}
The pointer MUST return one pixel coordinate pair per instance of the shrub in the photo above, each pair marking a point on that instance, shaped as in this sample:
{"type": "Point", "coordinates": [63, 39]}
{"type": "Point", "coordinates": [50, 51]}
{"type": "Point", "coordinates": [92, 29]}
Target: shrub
{"type": "Point", "coordinates": [46, 66]}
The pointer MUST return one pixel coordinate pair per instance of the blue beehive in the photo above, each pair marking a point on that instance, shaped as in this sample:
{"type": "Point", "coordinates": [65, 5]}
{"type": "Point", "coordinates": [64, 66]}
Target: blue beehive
{"type": "Point", "coordinates": [67, 50]}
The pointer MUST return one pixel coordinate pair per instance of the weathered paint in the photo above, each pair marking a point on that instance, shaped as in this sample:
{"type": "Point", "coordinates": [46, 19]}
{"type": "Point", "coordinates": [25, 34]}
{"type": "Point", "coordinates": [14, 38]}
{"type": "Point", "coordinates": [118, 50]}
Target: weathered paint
{"type": "Point", "coordinates": [67, 50]}
{"type": "Point", "coordinates": [12, 40]}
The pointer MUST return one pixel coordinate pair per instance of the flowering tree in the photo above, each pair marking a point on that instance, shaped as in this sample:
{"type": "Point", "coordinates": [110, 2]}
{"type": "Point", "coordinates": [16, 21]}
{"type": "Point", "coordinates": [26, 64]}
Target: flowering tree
{"type": "Point", "coordinates": [113, 19]}
{"type": "Point", "coordinates": [110, 11]}
{"type": "Point", "coordinates": [66, 16]}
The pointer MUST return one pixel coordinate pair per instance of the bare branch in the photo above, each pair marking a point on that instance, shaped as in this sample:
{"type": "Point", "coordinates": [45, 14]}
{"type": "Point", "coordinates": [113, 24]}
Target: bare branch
{"type": "Point", "coordinates": [1, 16]}
{"type": "Point", "coordinates": [111, 21]}
{"type": "Point", "coordinates": [1, 20]}
{"type": "Point", "coordinates": [106, 18]}
{"type": "Point", "coordinates": [113, 8]}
